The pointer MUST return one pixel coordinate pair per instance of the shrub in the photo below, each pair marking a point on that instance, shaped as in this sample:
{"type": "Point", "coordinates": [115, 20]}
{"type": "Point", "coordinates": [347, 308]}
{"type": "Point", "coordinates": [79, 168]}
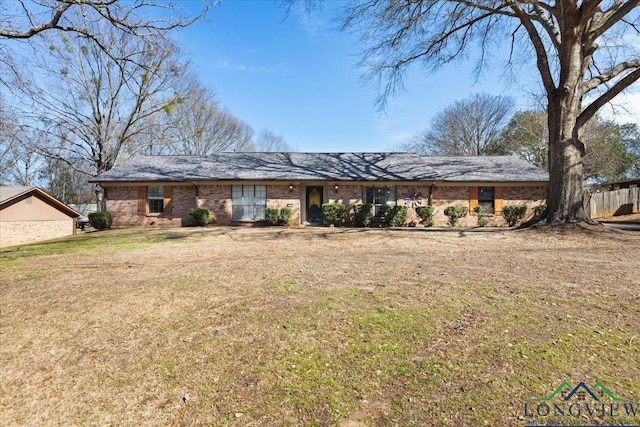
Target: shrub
{"type": "Point", "coordinates": [426, 215]}
{"type": "Point", "coordinates": [395, 215]}
{"type": "Point", "coordinates": [513, 214]}
{"type": "Point", "coordinates": [455, 213]}
{"type": "Point", "coordinates": [271, 216]}
{"type": "Point", "coordinates": [334, 213]}
{"type": "Point", "coordinates": [362, 214]}
{"type": "Point", "coordinates": [285, 216]}
{"type": "Point", "coordinates": [199, 217]}
{"type": "Point", "coordinates": [540, 210]}
{"type": "Point", "coordinates": [100, 220]}
{"type": "Point", "coordinates": [482, 220]}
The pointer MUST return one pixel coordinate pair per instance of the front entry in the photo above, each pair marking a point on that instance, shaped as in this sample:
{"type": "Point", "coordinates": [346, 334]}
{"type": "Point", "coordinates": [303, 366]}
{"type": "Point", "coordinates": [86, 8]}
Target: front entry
{"type": "Point", "coordinates": [314, 205]}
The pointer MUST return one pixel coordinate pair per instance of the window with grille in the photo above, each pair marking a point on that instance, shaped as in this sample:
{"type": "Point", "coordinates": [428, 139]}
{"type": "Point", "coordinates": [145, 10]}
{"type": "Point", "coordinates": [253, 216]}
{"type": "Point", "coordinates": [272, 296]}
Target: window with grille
{"type": "Point", "coordinates": [155, 199]}
{"type": "Point", "coordinates": [248, 202]}
{"type": "Point", "coordinates": [380, 197]}
{"type": "Point", "coordinates": [486, 199]}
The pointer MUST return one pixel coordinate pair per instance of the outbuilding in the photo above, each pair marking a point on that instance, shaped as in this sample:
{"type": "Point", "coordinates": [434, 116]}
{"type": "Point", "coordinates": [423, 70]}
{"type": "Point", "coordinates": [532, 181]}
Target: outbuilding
{"type": "Point", "coordinates": [29, 214]}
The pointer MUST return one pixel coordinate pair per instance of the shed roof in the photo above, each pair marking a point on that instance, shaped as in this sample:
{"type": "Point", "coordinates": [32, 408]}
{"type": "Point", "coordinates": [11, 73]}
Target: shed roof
{"type": "Point", "coordinates": [323, 166]}
{"type": "Point", "coordinates": [10, 195]}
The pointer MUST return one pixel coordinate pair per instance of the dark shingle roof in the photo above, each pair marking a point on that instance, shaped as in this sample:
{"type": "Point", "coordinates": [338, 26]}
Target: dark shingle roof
{"type": "Point", "coordinates": [322, 166]}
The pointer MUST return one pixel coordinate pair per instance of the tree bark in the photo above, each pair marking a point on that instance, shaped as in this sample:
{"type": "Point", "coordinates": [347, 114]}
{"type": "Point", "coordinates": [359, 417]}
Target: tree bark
{"type": "Point", "coordinates": [566, 150]}
{"type": "Point", "coordinates": [566, 157]}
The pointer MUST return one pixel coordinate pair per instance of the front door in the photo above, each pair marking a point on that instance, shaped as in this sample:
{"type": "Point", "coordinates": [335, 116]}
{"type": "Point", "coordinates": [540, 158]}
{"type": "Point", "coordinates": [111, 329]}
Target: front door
{"type": "Point", "coordinates": [314, 205]}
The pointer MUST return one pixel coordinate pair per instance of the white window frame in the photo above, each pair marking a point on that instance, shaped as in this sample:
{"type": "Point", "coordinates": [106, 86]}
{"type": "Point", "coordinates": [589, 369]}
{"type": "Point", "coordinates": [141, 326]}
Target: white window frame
{"type": "Point", "coordinates": [488, 204]}
{"type": "Point", "coordinates": [379, 197]}
{"type": "Point", "coordinates": [155, 193]}
{"type": "Point", "coordinates": [248, 202]}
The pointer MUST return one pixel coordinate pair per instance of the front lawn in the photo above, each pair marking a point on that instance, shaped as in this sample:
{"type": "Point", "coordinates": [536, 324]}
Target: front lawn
{"type": "Point", "coordinates": [318, 326]}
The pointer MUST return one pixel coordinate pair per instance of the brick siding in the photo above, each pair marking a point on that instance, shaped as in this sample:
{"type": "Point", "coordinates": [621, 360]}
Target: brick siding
{"type": "Point", "coordinates": [14, 233]}
{"type": "Point", "coordinates": [122, 202]}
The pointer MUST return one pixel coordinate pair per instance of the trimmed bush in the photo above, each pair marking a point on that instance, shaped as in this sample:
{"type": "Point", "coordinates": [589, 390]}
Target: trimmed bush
{"type": "Point", "coordinates": [362, 214]}
{"type": "Point", "coordinates": [540, 210]}
{"type": "Point", "coordinates": [199, 217]}
{"type": "Point", "coordinates": [271, 216]}
{"type": "Point", "coordinates": [426, 215]}
{"type": "Point", "coordinates": [482, 220]}
{"type": "Point", "coordinates": [100, 220]}
{"type": "Point", "coordinates": [334, 213]}
{"type": "Point", "coordinates": [455, 213]}
{"type": "Point", "coordinates": [513, 214]}
{"type": "Point", "coordinates": [395, 215]}
{"type": "Point", "coordinates": [285, 216]}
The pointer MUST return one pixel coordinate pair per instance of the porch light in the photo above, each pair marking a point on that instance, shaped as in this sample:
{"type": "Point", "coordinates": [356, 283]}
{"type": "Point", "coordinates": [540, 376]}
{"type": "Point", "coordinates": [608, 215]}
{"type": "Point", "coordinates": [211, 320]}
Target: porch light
{"type": "Point", "coordinates": [336, 187]}
{"type": "Point", "coordinates": [290, 188]}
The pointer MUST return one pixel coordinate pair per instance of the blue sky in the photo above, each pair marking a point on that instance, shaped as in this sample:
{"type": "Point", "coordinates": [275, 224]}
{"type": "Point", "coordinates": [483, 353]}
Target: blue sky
{"type": "Point", "coordinates": [297, 76]}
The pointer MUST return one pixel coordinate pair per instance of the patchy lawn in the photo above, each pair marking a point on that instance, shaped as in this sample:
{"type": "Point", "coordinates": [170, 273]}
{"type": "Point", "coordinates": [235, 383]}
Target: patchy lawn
{"type": "Point", "coordinates": [318, 326]}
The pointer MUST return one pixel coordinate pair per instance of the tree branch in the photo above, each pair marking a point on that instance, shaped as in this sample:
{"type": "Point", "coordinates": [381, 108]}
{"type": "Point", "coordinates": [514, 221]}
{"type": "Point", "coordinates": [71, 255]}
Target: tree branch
{"type": "Point", "coordinates": [614, 72]}
{"type": "Point", "coordinates": [616, 89]}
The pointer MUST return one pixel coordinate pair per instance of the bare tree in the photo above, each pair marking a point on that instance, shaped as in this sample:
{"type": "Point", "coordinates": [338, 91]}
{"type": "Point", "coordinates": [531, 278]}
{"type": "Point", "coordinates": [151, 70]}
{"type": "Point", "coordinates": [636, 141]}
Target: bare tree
{"type": "Point", "coordinates": [197, 125]}
{"type": "Point", "coordinates": [24, 19]}
{"type": "Point", "coordinates": [88, 105]}
{"type": "Point", "coordinates": [471, 127]}
{"type": "Point", "coordinates": [18, 159]}
{"type": "Point", "coordinates": [267, 141]}
{"type": "Point", "coordinates": [585, 53]}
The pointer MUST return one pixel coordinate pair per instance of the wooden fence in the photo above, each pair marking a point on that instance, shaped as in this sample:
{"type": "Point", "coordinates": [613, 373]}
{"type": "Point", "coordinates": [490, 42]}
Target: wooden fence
{"type": "Point", "coordinates": [611, 203]}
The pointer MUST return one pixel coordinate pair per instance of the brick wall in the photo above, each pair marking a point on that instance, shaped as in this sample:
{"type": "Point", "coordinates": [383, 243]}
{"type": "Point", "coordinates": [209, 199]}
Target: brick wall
{"type": "Point", "coordinates": [122, 202]}
{"type": "Point", "coordinates": [348, 195]}
{"type": "Point", "coordinates": [14, 233]}
{"type": "Point", "coordinates": [280, 196]}
{"type": "Point", "coordinates": [217, 200]}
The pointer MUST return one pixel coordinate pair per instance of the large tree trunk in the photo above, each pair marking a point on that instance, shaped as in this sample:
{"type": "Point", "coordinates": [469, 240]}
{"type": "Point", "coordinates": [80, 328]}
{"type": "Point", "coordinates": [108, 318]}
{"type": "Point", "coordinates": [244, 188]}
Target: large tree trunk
{"type": "Point", "coordinates": [566, 156]}
{"type": "Point", "coordinates": [566, 150]}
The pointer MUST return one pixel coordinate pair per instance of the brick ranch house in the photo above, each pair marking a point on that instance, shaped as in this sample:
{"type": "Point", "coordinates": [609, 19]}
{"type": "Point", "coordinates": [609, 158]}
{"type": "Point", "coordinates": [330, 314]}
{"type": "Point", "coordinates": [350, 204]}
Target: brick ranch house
{"type": "Point", "coordinates": [237, 187]}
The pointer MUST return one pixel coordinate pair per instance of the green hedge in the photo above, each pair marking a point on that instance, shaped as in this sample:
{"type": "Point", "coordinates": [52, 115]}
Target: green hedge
{"type": "Point", "coordinates": [395, 215]}
{"type": "Point", "coordinates": [199, 217]}
{"type": "Point", "coordinates": [482, 220]}
{"type": "Point", "coordinates": [513, 214]}
{"type": "Point", "coordinates": [100, 220]}
{"type": "Point", "coordinates": [455, 213]}
{"type": "Point", "coordinates": [334, 213]}
{"type": "Point", "coordinates": [426, 215]}
{"type": "Point", "coordinates": [271, 216]}
{"type": "Point", "coordinates": [285, 216]}
{"type": "Point", "coordinates": [362, 214]}
{"type": "Point", "coordinates": [540, 210]}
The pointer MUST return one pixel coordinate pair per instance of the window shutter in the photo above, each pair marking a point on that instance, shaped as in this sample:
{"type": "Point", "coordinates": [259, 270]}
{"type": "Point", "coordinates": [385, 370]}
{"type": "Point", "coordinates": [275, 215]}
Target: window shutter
{"type": "Point", "coordinates": [142, 200]}
{"type": "Point", "coordinates": [168, 204]}
{"type": "Point", "coordinates": [473, 199]}
{"type": "Point", "coordinates": [498, 200]}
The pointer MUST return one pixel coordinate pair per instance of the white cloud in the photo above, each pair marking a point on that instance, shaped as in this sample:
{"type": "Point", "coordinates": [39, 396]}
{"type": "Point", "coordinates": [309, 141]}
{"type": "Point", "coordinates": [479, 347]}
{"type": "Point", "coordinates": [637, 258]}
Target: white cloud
{"type": "Point", "coordinates": [625, 108]}
{"type": "Point", "coordinates": [230, 66]}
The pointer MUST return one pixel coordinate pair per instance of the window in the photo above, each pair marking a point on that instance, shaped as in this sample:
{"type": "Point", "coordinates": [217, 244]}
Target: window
{"type": "Point", "coordinates": [486, 199]}
{"type": "Point", "coordinates": [155, 199]}
{"type": "Point", "coordinates": [379, 197]}
{"type": "Point", "coordinates": [248, 202]}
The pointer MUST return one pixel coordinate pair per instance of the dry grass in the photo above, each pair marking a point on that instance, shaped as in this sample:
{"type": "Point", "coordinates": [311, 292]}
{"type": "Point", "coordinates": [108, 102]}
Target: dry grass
{"type": "Point", "coordinates": [347, 327]}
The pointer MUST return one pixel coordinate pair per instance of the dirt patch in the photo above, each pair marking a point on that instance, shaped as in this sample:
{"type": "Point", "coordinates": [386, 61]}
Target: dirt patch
{"type": "Point", "coordinates": [316, 326]}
